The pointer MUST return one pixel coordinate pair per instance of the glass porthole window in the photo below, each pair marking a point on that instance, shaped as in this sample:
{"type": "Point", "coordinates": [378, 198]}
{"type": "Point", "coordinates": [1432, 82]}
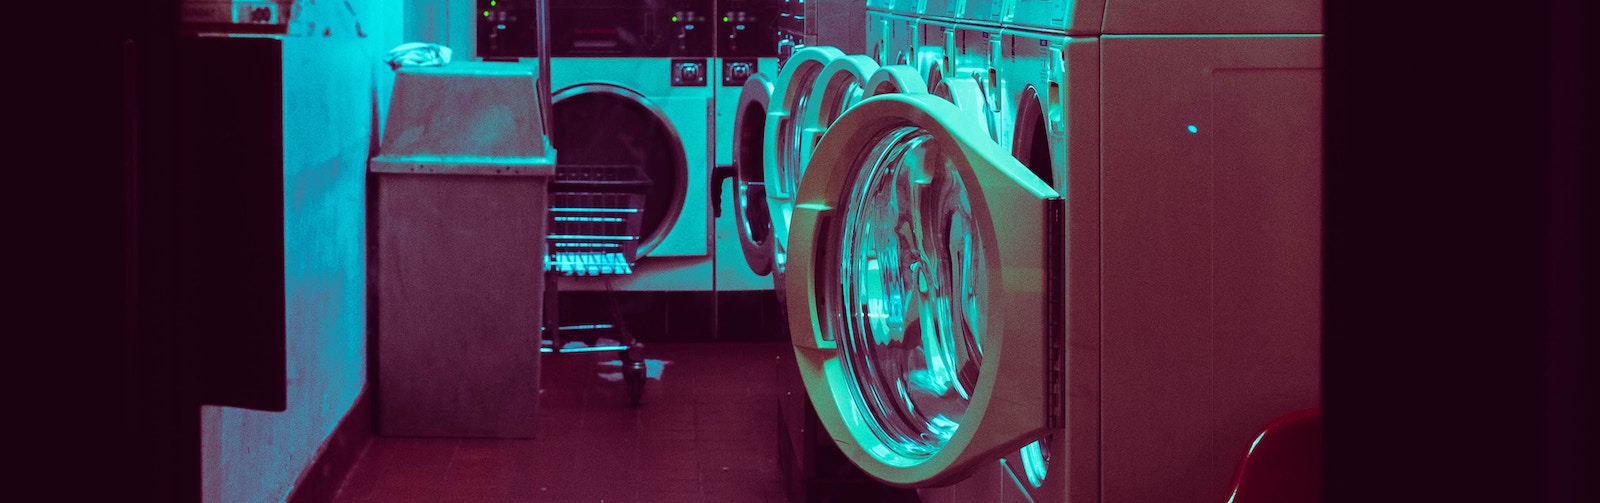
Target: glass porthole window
{"type": "Point", "coordinates": [909, 275]}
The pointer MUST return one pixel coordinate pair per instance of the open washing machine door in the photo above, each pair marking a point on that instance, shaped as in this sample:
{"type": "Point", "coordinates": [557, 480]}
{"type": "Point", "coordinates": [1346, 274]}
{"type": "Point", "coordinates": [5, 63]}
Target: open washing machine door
{"type": "Point", "coordinates": [750, 213]}
{"type": "Point", "coordinates": [636, 139]}
{"type": "Point", "coordinates": [927, 271]}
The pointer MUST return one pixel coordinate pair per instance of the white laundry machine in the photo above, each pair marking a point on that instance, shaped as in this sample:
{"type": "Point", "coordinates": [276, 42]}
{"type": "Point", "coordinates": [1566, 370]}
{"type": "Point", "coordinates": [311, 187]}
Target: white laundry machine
{"type": "Point", "coordinates": [893, 79]}
{"type": "Point", "coordinates": [1138, 318]}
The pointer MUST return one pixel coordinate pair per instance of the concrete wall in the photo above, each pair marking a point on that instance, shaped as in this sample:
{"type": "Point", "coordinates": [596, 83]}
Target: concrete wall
{"type": "Point", "coordinates": [336, 91]}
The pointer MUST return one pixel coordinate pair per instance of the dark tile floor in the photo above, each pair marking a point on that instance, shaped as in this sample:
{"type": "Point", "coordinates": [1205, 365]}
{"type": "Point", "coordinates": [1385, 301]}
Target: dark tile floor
{"type": "Point", "coordinates": [705, 432]}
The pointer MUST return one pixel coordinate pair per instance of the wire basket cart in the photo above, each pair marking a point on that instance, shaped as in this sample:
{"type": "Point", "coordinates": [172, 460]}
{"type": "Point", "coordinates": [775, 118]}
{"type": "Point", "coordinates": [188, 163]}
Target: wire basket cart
{"type": "Point", "coordinates": [596, 211]}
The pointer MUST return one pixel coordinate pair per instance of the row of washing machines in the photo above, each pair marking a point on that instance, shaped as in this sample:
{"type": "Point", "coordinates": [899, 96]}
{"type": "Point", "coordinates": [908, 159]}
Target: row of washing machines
{"type": "Point", "coordinates": [1026, 250]}
{"type": "Point", "coordinates": [1045, 250]}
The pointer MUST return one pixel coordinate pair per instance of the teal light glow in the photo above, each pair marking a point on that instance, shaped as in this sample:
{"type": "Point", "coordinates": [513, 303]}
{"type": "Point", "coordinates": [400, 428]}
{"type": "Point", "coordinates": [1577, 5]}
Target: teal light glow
{"type": "Point", "coordinates": [1193, 129]}
{"type": "Point", "coordinates": [1033, 463]}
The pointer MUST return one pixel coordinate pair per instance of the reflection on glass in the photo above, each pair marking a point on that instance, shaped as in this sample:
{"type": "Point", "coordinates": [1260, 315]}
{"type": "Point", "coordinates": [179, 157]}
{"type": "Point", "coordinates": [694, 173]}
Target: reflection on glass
{"type": "Point", "coordinates": [1033, 463]}
{"type": "Point", "coordinates": [910, 276]}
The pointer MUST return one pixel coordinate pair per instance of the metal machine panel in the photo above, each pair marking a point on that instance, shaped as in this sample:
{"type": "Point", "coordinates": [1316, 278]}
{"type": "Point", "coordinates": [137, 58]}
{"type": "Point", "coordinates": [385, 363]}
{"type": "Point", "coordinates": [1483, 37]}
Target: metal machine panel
{"type": "Point", "coordinates": [836, 23]}
{"type": "Point", "coordinates": [1211, 286]}
{"type": "Point", "coordinates": [1209, 16]}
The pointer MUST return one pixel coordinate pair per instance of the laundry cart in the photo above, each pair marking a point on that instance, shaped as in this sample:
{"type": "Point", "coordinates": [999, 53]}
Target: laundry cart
{"type": "Point", "coordinates": [595, 216]}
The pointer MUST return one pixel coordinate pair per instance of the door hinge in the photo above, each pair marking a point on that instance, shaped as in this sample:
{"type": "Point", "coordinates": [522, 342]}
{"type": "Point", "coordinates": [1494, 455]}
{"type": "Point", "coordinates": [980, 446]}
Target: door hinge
{"type": "Point", "coordinates": [1055, 310]}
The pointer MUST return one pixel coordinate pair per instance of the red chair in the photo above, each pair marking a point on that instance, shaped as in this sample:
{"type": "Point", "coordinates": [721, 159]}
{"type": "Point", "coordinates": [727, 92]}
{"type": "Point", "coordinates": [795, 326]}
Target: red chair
{"type": "Point", "coordinates": [1284, 463]}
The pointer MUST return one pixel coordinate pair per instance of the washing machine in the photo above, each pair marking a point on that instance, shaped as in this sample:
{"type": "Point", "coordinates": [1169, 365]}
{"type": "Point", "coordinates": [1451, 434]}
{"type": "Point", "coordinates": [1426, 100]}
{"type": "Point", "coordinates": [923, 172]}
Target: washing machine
{"type": "Point", "coordinates": [632, 86]}
{"type": "Point", "coordinates": [747, 53]}
{"type": "Point", "coordinates": [893, 79]}
{"type": "Point", "coordinates": [1131, 324]}
{"type": "Point", "coordinates": [752, 220]}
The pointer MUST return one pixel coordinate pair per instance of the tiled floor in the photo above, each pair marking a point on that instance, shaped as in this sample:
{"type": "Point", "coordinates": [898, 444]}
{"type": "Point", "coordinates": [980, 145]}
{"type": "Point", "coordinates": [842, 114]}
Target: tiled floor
{"type": "Point", "coordinates": [706, 431]}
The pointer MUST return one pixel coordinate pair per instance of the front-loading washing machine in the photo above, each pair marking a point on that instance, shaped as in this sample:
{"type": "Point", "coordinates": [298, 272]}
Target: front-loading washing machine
{"type": "Point", "coordinates": [921, 282]}
{"type": "Point", "coordinates": [893, 79]}
{"type": "Point", "coordinates": [1177, 303]}
{"type": "Point", "coordinates": [1048, 79]}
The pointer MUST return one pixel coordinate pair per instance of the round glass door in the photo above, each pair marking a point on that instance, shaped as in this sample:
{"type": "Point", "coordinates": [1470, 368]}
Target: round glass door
{"type": "Point", "coordinates": [750, 213]}
{"type": "Point", "coordinates": [634, 143]}
{"type": "Point", "coordinates": [922, 309]}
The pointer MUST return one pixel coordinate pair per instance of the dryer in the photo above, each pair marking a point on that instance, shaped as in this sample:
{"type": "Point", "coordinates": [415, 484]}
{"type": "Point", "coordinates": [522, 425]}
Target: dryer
{"type": "Point", "coordinates": [1164, 280]}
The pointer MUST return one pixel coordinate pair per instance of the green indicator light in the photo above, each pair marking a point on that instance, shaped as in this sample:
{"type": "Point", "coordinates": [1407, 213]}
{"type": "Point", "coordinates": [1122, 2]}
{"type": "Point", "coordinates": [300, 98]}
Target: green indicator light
{"type": "Point", "coordinates": [724, 19]}
{"type": "Point", "coordinates": [491, 3]}
{"type": "Point", "coordinates": [485, 13]}
{"type": "Point", "coordinates": [674, 19]}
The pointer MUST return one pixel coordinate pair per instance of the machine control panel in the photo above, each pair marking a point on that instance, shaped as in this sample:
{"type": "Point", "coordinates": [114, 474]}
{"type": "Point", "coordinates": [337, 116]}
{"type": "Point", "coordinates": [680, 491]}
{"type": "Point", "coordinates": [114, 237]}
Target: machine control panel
{"type": "Point", "coordinates": [599, 28]}
{"type": "Point", "coordinates": [689, 72]}
{"type": "Point", "coordinates": [737, 70]}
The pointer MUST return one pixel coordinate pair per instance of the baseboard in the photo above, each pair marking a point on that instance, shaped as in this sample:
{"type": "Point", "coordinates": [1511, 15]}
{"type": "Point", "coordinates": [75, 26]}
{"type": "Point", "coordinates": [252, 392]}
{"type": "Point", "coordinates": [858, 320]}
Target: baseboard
{"type": "Point", "coordinates": [320, 482]}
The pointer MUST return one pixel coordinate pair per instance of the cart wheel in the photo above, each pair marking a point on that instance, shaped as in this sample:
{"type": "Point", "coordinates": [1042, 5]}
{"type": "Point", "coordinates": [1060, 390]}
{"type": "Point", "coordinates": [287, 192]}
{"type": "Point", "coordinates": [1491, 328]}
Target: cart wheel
{"type": "Point", "coordinates": [634, 375]}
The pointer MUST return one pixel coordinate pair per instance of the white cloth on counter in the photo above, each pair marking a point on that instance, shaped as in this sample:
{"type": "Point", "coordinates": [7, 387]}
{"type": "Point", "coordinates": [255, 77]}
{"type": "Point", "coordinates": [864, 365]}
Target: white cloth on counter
{"type": "Point", "coordinates": [418, 54]}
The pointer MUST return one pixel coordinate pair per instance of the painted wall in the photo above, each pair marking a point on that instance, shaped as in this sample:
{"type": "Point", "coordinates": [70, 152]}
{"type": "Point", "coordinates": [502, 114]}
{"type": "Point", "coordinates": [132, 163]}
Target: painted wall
{"type": "Point", "coordinates": [336, 91]}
